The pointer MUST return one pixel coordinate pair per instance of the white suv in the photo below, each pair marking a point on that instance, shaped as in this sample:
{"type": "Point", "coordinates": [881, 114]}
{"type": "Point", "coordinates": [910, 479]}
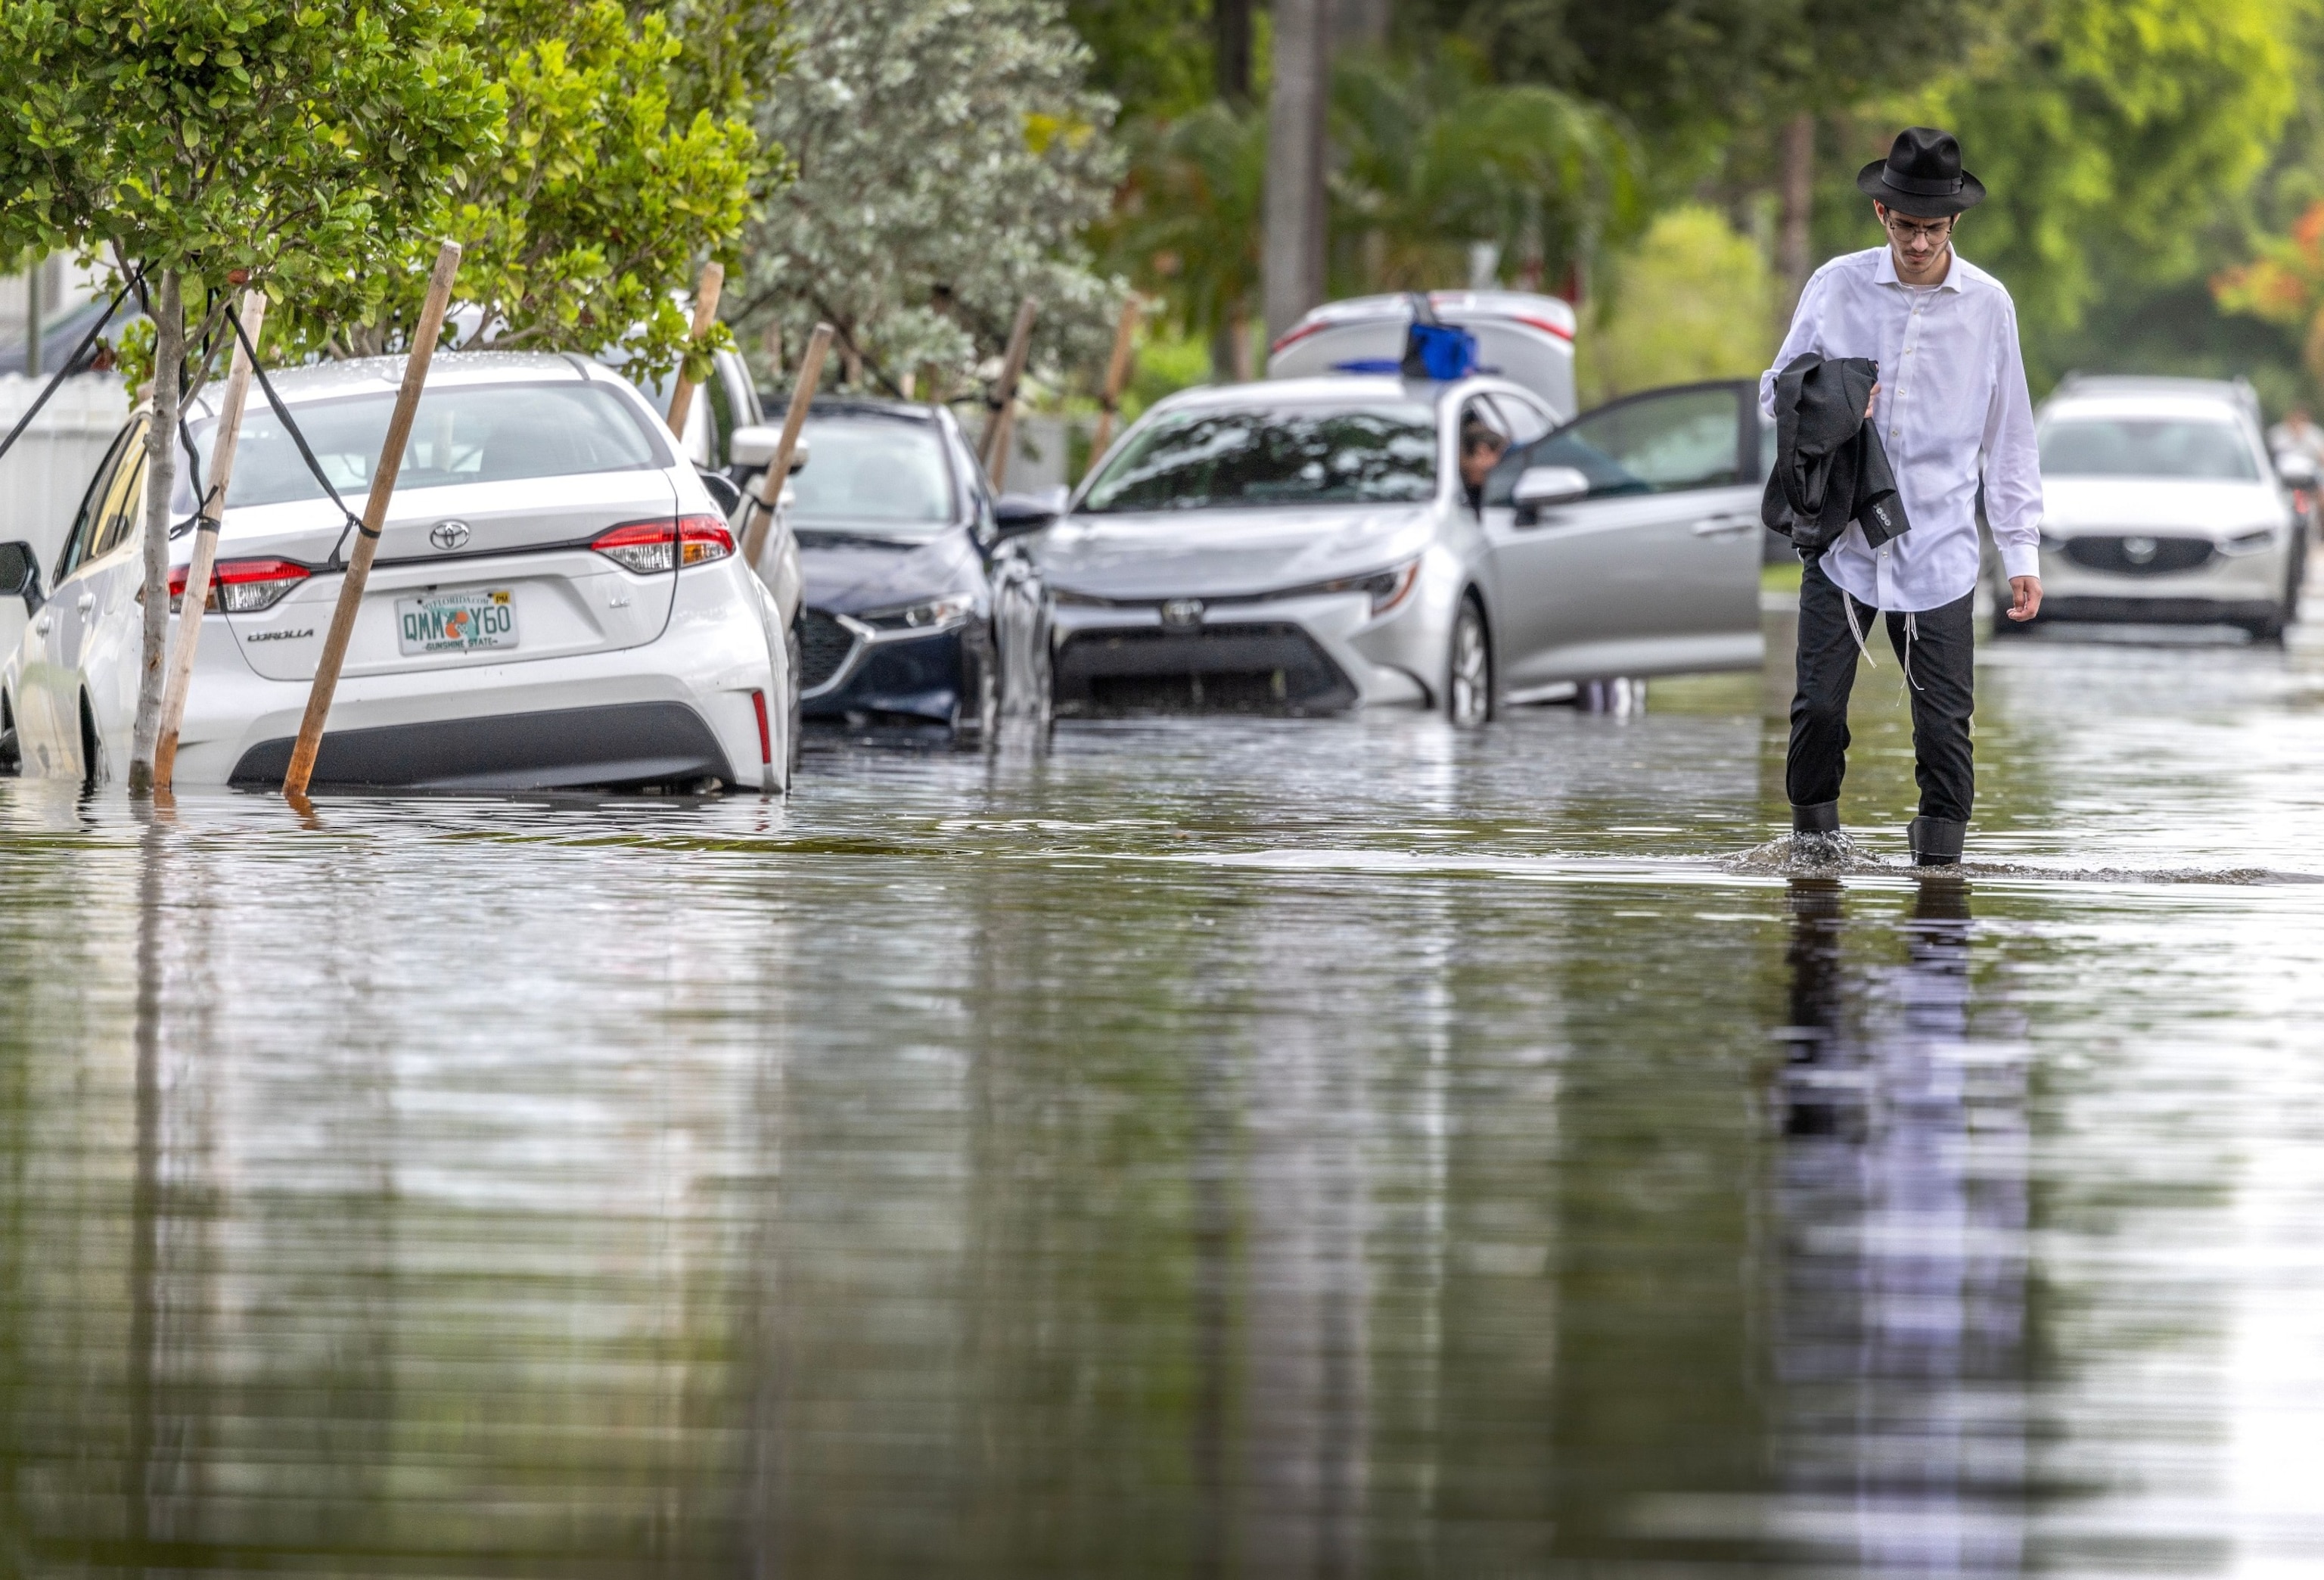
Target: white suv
{"type": "Point", "coordinates": [2162, 505]}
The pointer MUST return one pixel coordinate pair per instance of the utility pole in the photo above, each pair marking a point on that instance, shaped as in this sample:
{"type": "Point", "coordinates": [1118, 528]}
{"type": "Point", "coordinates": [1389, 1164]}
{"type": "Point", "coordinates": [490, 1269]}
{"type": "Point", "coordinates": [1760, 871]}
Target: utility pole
{"type": "Point", "coordinates": [1291, 271]}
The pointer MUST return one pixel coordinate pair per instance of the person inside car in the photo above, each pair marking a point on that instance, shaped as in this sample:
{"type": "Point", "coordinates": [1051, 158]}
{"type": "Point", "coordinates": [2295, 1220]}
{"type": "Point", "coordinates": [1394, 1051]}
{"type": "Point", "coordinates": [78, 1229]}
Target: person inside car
{"type": "Point", "coordinates": [1481, 447]}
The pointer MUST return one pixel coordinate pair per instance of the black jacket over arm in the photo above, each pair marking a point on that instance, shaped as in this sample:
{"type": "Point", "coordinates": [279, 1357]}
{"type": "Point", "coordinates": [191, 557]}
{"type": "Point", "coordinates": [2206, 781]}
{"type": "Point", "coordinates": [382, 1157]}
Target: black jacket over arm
{"type": "Point", "coordinates": [1830, 467]}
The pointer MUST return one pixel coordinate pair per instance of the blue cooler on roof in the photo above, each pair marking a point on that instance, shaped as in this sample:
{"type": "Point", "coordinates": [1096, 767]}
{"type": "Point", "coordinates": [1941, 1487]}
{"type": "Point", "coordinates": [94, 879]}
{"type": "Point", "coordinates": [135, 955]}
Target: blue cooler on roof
{"type": "Point", "coordinates": [1442, 335]}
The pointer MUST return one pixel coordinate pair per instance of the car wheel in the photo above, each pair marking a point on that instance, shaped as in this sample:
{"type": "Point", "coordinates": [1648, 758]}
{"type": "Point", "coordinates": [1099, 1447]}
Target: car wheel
{"type": "Point", "coordinates": [92, 769]}
{"type": "Point", "coordinates": [976, 710]}
{"type": "Point", "coordinates": [792, 744]}
{"type": "Point", "coordinates": [2269, 630]}
{"type": "Point", "coordinates": [1468, 684]}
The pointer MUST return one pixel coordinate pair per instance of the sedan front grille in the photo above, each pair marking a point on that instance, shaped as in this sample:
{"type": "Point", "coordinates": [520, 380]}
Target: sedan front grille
{"type": "Point", "coordinates": [1256, 666]}
{"type": "Point", "coordinates": [825, 645]}
{"type": "Point", "coordinates": [2134, 554]}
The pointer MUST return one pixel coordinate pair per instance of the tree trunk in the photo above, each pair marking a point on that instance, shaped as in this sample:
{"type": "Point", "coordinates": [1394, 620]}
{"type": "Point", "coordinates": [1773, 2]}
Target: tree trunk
{"type": "Point", "coordinates": [161, 479]}
{"type": "Point", "coordinates": [1231, 50]}
{"type": "Point", "coordinates": [1795, 191]}
{"type": "Point", "coordinates": [1224, 361]}
{"type": "Point", "coordinates": [1292, 269]}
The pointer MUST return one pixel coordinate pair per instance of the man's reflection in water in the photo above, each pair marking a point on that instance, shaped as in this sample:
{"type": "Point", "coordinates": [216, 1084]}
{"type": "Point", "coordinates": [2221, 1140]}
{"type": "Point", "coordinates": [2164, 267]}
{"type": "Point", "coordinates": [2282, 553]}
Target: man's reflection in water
{"type": "Point", "coordinates": [1900, 1210]}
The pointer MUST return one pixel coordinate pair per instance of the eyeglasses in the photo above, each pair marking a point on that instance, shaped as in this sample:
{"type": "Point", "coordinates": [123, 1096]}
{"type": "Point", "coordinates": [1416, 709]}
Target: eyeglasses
{"type": "Point", "coordinates": [1904, 230]}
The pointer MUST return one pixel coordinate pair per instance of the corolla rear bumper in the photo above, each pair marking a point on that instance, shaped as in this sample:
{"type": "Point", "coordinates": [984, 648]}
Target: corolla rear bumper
{"type": "Point", "coordinates": [675, 710]}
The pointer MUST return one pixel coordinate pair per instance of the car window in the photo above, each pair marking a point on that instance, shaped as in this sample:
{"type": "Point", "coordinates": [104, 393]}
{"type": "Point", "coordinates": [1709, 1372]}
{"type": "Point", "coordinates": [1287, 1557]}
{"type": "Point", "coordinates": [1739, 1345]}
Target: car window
{"type": "Point", "coordinates": [90, 519]}
{"type": "Point", "coordinates": [1649, 444]}
{"type": "Point", "coordinates": [472, 433]}
{"type": "Point", "coordinates": [1526, 422]}
{"type": "Point", "coordinates": [124, 504]}
{"type": "Point", "coordinates": [872, 473]}
{"type": "Point", "coordinates": [1241, 457]}
{"type": "Point", "coordinates": [2147, 447]}
{"type": "Point", "coordinates": [722, 419]}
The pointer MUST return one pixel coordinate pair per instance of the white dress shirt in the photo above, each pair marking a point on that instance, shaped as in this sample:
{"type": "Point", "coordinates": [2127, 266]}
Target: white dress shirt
{"type": "Point", "coordinates": [1952, 395]}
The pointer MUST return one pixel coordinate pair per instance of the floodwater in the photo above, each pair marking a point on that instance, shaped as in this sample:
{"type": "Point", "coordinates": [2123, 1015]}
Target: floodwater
{"type": "Point", "coordinates": [1206, 1148]}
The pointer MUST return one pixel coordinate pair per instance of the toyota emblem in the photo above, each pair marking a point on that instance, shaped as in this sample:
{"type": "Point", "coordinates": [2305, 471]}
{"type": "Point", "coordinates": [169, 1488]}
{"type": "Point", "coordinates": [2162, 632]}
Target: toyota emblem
{"type": "Point", "coordinates": [2139, 550]}
{"type": "Point", "coordinates": [1183, 613]}
{"type": "Point", "coordinates": [448, 535]}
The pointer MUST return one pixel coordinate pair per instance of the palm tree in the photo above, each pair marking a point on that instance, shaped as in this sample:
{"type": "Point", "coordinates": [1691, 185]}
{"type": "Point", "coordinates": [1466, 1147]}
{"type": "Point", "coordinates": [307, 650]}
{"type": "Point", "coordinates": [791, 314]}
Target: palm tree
{"type": "Point", "coordinates": [1434, 159]}
{"type": "Point", "coordinates": [1188, 225]}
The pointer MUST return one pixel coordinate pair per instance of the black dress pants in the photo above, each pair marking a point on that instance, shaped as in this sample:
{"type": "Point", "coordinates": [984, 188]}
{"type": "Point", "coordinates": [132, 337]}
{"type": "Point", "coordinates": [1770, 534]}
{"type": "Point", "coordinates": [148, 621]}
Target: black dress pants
{"type": "Point", "coordinates": [1942, 651]}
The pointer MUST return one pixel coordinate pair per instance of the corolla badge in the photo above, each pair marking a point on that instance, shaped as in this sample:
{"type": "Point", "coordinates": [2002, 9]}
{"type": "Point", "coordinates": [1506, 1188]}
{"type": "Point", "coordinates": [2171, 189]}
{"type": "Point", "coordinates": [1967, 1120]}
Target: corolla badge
{"type": "Point", "coordinates": [448, 535]}
{"type": "Point", "coordinates": [2139, 550]}
{"type": "Point", "coordinates": [1183, 613]}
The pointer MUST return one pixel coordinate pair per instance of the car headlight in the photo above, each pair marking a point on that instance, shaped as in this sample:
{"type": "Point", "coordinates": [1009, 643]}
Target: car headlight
{"type": "Point", "coordinates": [2258, 540]}
{"type": "Point", "coordinates": [935, 614]}
{"type": "Point", "coordinates": [1388, 588]}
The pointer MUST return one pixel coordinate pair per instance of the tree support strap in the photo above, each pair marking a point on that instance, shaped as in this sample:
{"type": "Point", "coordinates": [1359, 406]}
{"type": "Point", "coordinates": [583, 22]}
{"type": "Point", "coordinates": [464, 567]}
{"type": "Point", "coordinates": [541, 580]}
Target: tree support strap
{"type": "Point", "coordinates": [65, 369]}
{"type": "Point", "coordinates": [282, 415]}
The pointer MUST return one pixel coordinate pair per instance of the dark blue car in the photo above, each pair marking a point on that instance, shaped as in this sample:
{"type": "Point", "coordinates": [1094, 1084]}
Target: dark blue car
{"type": "Point", "coordinates": [898, 542]}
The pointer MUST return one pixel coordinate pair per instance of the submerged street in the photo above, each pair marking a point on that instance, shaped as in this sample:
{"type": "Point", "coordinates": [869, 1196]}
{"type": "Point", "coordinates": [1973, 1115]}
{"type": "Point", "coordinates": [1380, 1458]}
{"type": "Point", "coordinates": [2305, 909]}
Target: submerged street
{"type": "Point", "coordinates": [1206, 1146]}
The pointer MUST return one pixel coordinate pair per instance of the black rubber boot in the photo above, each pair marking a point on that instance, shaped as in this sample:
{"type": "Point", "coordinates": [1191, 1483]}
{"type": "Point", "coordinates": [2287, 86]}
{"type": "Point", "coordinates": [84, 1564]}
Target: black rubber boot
{"type": "Point", "coordinates": [1936, 842]}
{"type": "Point", "coordinates": [1824, 818]}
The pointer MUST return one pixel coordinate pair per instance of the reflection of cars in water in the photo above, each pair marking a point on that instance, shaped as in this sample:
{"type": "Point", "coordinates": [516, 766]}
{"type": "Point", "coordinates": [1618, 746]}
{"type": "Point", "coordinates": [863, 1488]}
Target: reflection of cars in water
{"type": "Point", "coordinates": [2160, 503]}
{"type": "Point", "coordinates": [900, 547]}
{"type": "Point", "coordinates": [557, 600]}
{"type": "Point", "coordinates": [1311, 545]}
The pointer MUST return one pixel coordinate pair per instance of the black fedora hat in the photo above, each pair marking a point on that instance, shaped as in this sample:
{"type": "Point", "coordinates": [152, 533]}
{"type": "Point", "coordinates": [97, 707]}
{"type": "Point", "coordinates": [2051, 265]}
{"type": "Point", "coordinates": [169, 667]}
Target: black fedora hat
{"type": "Point", "coordinates": [1923, 176]}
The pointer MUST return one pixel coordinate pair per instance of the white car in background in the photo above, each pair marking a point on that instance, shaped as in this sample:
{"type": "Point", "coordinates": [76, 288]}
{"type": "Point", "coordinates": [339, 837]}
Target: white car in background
{"type": "Point", "coordinates": [2161, 505]}
{"type": "Point", "coordinates": [557, 601]}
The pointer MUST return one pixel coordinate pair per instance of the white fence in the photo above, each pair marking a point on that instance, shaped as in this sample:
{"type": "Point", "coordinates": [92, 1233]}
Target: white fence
{"type": "Point", "coordinates": [43, 477]}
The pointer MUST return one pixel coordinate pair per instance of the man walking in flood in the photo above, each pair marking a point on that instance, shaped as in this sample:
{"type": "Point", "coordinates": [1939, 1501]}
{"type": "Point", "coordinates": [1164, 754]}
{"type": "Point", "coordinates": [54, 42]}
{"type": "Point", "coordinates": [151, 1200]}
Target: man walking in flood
{"type": "Point", "coordinates": [1949, 404]}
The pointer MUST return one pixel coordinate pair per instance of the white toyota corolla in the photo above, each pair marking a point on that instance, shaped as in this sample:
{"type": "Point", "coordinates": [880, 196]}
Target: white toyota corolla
{"type": "Point", "coordinates": [558, 602]}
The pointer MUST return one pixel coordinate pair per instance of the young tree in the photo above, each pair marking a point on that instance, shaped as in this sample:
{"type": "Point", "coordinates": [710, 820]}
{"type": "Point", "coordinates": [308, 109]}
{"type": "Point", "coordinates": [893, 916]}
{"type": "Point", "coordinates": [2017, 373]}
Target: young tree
{"type": "Point", "coordinates": [290, 142]}
{"type": "Point", "coordinates": [948, 159]}
{"type": "Point", "coordinates": [627, 156]}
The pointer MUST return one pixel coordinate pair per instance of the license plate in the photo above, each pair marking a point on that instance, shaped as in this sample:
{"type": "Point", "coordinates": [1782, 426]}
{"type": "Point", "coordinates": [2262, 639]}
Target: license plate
{"type": "Point", "coordinates": [471, 621]}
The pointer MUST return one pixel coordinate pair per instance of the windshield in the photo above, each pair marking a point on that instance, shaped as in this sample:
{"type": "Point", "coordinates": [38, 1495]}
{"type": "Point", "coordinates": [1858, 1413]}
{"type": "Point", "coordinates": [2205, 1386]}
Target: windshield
{"type": "Point", "coordinates": [2147, 447]}
{"type": "Point", "coordinates": [884, 476]}
{"type": "Point", "coordinates": [483, 433]}
{"type": "Point", "coordinates": [1210, 459]}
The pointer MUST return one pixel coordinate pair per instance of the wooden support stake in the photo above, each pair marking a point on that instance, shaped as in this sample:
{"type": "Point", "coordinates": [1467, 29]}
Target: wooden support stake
{"type": "Point", "coordinates": [769, 488]}
{"type": "Point", "coordinates": [375, 516]}
{"type": "Point", "coordinates": [706, 313]}
{"type": "Point", "coordinates": [1117, 373]}
{"type": "Point", "coordinates": [1001, 423]}
{"type": "Point", "coordinates": [179, 681]}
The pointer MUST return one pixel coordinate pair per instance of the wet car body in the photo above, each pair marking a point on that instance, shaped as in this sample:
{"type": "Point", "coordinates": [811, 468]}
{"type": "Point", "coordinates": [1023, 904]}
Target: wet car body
{"type": "Point", "coordinates": [898, 542]}
{"type": "Point", "coordinates": [1291, 606]}
{"type": "Point", "coordinates": [558, 602]}
{"type": "Point", "coordinates": [2161, 505]}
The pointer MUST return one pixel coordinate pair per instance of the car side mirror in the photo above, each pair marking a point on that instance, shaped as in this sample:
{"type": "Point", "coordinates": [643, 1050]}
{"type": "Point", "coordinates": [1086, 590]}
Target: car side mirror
{"type": "Point", "coordinates": [2298, 471]}
{"type": "Point", "coordinates": [724, 492]}
{"type": "Point", "coordinates": [19, 575]}
{"type": "Point", "coordinates": [1546, 485]}
{"type": "Point", "coordinates": [754, 444]}
{"type": "Point", "coordinates": [1015, 514]}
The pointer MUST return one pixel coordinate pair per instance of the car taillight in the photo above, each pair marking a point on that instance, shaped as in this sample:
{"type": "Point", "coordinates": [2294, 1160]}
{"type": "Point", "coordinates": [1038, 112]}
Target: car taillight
{"type": "Point", "coordinates": [242, 586]}
{"type": "Point", "coordinates": [644, 547]}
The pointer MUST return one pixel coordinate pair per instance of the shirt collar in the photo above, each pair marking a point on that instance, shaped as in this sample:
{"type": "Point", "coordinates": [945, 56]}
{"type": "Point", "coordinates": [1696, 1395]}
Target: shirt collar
{"type": "Point", "coordinates": [1883, 272]}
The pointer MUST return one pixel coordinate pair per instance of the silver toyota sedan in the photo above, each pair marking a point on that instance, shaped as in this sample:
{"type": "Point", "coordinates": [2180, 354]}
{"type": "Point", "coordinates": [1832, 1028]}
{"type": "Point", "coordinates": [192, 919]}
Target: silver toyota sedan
{"type": "Point", "coordinates": [1313, 545]}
